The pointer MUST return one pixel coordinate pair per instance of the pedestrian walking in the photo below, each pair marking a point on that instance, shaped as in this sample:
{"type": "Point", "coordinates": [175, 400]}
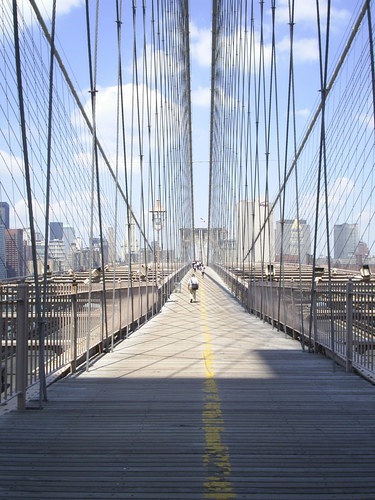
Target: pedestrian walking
{"type": "Point", "coordinates": [193, 286]}
{"type": "Point", "coordinates": [203, 270]}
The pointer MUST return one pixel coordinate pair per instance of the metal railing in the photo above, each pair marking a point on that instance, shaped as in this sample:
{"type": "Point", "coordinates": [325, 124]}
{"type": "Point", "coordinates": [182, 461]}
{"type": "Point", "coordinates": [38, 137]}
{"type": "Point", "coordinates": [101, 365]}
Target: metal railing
{"type": "Point", "coordinates": [68, 312]}
{"type": "Point", "coordinates": [310, 315]}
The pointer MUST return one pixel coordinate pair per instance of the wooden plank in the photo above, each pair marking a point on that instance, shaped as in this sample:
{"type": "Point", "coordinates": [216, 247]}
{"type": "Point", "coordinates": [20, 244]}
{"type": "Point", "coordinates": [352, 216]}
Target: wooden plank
{"type": "Point", "coordinates": [203, 396]}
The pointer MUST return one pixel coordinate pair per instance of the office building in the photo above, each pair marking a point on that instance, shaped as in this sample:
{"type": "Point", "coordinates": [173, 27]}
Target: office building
{"type": "Point", "coordinates": [346, 240]}
{"type": "Point", "coordinates": [111, 245]}
{"type": "Point", "coordinates": [56, 230]}
{"type": "Point", "coordinates": [295, 238]}
{"type": "Point", "coordinates": [130, 247]}
{"type": "Point", "coordinates": [15, 253]}
{"type": "Point", "coordinates": [3, 267]}
{"type": "Point", "coordinates": [253, 240]}
{"type": "Point", "coordinates": [69, 238]}
{"type": "Point", "coordinates": [4, 214]}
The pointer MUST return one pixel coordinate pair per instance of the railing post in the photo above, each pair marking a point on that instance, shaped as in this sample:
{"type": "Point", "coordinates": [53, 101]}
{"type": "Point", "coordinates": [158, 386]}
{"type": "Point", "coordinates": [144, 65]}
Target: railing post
{"type": "Point", "coordinates": [349, 326]}
{"type": "Point", "coordinates": [102, 318]}
{"type": "Point", "coordinates": [74, 327]}
{"type": "Point", "coordinates": [120, 308]}
{"type": "Point", "coordinates": [22, 346]}
{"type": "Point", "coordinates": [294, 312]}
{"type": "Point", "coordinates": [315, 318]}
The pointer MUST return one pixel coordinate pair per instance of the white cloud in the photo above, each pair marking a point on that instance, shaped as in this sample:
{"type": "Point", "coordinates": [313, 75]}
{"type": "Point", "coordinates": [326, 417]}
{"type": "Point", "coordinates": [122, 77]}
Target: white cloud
{"type": "Point", "coordinates": [304, 49]}
{"type": "Point", "coordinates": [367, 120]}
{"type": "Point", "coordinates": [106, 121]}
{"type": "Point", "coordinates": [200, 45]}
{"type": "Point", "coordinates": [45, 8]}
{"type": "Point", "coordinates": [155, 62]}
{"type": "Point", "coordinates": [305, 11]}
{"type": "Point", "coordinates": [61, 7]}
{"type": "Point", "coordinates": [106, 114]}
{"type": "Point", "coordinates": [201, 96]}
{"type": "Point", "coordinates": [338, 195]}
{"type": "Point", "coordinates": [340, 190]}
{"type": "Point", "coordinates": [10, 164]}
{"type": "Point", "coordinates": [304, 112]}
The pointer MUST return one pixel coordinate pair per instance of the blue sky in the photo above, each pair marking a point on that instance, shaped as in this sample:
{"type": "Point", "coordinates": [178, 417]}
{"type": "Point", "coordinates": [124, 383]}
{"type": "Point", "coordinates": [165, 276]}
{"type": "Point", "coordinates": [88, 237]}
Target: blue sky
{"type": "Point", "coordinates": [72, 44]}
{"type": "Point", "coordinates": [71, 33]}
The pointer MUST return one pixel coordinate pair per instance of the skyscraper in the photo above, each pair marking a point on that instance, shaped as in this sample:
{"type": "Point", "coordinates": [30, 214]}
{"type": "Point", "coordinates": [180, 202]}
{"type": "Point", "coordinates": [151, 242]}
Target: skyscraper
{"type": "Point", "coordinates": [111, 245]}
{"type": "Point", "coordinates": [4, 214]}
{"type": "Point", "coordinates": [345, 240]}
{"type": "Point", "coordinates": [56, 230]}
{"type": "Point", "coordinates": [3, 268]}
{"type": "Point", "coordinates": [69, 237]}
{"type": "Point", "coordinates": [295, 238]}
{"type": "Point", "coordinates": [15, 255]}
{"type": "Point", "coordinates": [251, 215]}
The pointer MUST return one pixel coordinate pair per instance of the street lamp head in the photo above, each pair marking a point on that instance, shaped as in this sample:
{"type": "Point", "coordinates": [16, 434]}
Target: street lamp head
{"type": "Point", "coordinates": [158, 216]}
{"type": "Point", "coordinates": [365, 272]}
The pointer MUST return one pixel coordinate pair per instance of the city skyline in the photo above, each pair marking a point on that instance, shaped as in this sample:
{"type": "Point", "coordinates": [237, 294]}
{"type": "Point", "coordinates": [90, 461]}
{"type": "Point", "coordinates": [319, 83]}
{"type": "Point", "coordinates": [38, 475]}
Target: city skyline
{"type": "Point", "coordinates": [66, 251]}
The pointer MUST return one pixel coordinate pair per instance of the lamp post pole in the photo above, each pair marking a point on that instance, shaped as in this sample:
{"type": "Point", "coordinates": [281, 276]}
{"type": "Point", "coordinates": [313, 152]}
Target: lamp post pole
{"type": "Point", "coordinates": [158, 214]}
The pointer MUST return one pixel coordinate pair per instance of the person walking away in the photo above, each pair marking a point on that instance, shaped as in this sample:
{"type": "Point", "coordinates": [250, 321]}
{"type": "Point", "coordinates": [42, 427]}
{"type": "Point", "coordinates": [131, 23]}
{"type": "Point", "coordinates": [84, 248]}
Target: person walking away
{"type": "Point", "coordinates": [193, 286]}
{"type": "Point", "coordinates": [203, 270]}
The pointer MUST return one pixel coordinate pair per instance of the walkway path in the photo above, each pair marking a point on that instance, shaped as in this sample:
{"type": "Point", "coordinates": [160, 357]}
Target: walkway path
{"type": "Point", "coordinates": [204, 401]}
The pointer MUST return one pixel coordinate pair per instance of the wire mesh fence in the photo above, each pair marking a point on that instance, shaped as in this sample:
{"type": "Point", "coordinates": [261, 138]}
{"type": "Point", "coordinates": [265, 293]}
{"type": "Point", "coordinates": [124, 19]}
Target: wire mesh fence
{"type": "Point", "coordinates": [337, 321]}
{"type": "Point", "coordinates": [77, 325]}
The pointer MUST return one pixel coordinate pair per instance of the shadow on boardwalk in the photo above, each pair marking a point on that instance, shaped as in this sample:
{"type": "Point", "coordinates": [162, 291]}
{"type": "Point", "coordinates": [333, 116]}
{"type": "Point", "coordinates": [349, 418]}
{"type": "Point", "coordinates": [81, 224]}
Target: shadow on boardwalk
{"type": "Point", "coordinates": [204, 401]}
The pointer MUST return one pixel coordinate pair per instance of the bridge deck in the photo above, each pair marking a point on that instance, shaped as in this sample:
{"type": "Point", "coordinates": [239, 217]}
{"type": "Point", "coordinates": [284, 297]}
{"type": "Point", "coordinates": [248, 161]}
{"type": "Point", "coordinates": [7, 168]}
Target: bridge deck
{"type": "Point", "coordinates": [204, 401]}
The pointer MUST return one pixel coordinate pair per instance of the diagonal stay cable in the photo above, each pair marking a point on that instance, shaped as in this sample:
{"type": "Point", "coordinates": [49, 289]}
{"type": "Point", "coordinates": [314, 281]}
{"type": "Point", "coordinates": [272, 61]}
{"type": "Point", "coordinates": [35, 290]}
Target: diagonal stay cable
{"type": "Point", "coordinates": [86, 118]}
{"type": "Point", "coordinates": [329, 86]}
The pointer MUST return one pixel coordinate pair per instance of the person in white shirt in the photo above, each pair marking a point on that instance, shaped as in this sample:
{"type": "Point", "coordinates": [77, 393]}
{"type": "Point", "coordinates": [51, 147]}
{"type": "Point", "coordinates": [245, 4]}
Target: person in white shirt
{"type": "Point", "coordinates": [193, 285]}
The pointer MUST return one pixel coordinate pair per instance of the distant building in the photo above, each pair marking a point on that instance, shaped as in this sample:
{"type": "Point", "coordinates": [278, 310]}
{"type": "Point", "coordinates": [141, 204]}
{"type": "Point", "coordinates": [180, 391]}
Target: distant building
{"type": "Point", "coordinates": [111, 245]}
{"type": "Point", "coordinates": [56, 251]}
{"type": "Point", "coordinates": [27, 236]}
{"type": "Point", "coordinates": [3, 267]}
{"type": "Point", "coordinates": [56, 230]}
{"type": "Point", "coordinates": [130, 247]}
{"type": "Point", "coordinates": [362, 253]}
{"type": "Point", "coordinates": [345, 240]}
{"type": "Point", "coordinates": [15, 253]}
{"type": "Point", "coordinates": [69, 237]}
{"type": "Point", "coordinates": [251, 216]}
{"type": "Point", "coordinates": [97, 250]}
{"type": "Point", "coordinates": [4, 214]}
{"type": "Point", "coordinates": [198, 251]}
{"type": "Point", "coordinates": [295, 238]}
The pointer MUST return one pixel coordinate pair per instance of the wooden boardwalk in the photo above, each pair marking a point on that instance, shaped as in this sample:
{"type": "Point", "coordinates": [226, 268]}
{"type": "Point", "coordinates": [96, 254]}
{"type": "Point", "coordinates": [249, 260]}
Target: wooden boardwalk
{"type": "Point", "coordinates": [204, 401]}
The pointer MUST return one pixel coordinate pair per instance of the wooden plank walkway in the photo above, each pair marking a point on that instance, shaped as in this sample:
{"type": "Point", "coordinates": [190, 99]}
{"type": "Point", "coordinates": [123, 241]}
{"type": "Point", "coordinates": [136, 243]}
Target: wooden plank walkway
{"type": "Point", "coordinates": [204, 401]}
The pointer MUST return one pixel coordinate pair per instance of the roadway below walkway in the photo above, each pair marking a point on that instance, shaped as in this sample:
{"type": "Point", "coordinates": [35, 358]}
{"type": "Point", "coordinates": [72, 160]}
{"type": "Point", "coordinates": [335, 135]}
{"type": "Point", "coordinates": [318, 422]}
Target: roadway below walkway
{"type": "Point", "coordinates": [203, 401]}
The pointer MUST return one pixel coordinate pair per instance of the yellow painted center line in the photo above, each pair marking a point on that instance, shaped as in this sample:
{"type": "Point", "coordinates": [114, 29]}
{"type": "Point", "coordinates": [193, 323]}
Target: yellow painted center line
{"type": "Point", "coordinates": [216, 457]}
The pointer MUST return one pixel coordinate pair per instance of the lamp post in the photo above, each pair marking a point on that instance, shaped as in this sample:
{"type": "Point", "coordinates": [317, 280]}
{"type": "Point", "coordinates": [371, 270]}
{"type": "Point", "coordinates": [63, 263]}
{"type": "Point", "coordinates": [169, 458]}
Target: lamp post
{"type": "Point", "coordinates": [158, 214]}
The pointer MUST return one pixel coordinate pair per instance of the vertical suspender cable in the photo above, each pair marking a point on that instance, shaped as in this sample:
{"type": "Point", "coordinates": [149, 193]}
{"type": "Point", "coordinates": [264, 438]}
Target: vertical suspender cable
{"type": "Point", "coordinates": [273, 84]}
{"type": "Point", "coordinates": [190, 146]}
{"type": "Point", "coordinates": [324, 157]}
{"type": "Point", "coordinates": [296, 187]}
{"type": "Point", "coordinates": [213, 79]}
{"type": "Point", "coordinates": [140, 142]}
{"type": "Point", "coordinates": [130, 290]}
{"type": "Point", "coordinates": [310, 129]}
{"type": "Point", "coordinates": [28, 182]}
{"type": "Point", "coordinates": [114, 263]}
{"type": "Point", "coordinates": [93, 94]}
{"type": "Point", "coordinates": [283, 199]}
{"type": "Point", "coordinates": [94, 163]}
{"type": "Point", "coordinates": [43, 388]}
{"type": "Point", "coordinates": [322, 160]}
